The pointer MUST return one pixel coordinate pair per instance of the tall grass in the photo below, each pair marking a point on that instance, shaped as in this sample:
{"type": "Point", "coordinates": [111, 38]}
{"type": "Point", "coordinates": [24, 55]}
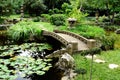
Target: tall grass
{"type": "Point", "coordinates": [25, 30]}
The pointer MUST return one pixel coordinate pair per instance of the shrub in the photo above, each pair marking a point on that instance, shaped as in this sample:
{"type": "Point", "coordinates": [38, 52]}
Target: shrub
{"type": "Point", "coordinates": [1, 20]}
{"type": "Point", "coordinates": [24, 31]}
{"type": "Point", "coordinates": [55, 11]}
{"type": "Point", "coordinates": [92, 51]}
{"type": "Point", "coordinates": [67, 8]}
{"type": "Point", "coordinates": [3, 37]}
{"type": "Point", "coordinates": [110, 28]}
{"type": "Point", "coordinates": [45, 17]}
{"type": "Point", "coordinates": [57, 19]}
{"type": "Point", "coordinates": [26, 16]}
{"type": "Point", "coordinates": [36, 19]}
{"type": "Point", "coordinates": [107, 42]}
{"type": "Point", "coordinates": [117, 21]}
{"type": "Point", "coordinates": [77, 14]}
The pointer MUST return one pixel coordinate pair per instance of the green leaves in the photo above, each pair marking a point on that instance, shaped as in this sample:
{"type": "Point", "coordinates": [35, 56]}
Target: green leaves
{"type": "Point", "coordinates": [27, 65]}
{"type": "Point", "coordinates": [11, 63]}
{"type": "Point", "coordinates": [57, 19]}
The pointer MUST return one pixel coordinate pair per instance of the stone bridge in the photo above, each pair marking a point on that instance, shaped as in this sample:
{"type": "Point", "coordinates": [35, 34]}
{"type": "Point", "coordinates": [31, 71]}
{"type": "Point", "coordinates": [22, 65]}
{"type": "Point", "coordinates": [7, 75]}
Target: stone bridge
{"type": "Point", "coordinates": [77, 42]}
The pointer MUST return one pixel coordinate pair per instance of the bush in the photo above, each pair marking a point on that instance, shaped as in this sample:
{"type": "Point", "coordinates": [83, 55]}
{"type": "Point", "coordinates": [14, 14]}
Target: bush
{"type": "Point", "coordinates": [117, 21]}
{"type": "Point", "coordinates": [58, 19]}
{"type": "Point", "coordinates": [26, 16]}
{"type": "Point", "coordinates": [66, 8]}
{"type": "Point", "coordinates": [3, 37]}
{"type": "Point", "coordinates": [92, 51]}
{"type": "Point", "coordinates": [77, 14]}
{"type": "Point", "coordinates": [1, 20]}
{"type": "Point", "coordinates": [110, 28]}
{"type": "Point", "coordinates": [24, 31]}
{"type": "Point", "coordinates": [55, 11]}
{"type": "Point", "coordinates": [36, 19]}
{"type": "Point", "coordinates": [107, 42]}
{"type": "Point", "coordinates": [104, 19]}
{"type": "Point", "coordinates": [45, 17]}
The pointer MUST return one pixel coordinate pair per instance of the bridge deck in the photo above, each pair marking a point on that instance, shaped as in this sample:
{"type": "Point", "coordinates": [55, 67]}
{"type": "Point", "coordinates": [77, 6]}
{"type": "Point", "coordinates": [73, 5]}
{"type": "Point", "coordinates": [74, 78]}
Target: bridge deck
{"type": "Point", "coordinates": [81, 45]}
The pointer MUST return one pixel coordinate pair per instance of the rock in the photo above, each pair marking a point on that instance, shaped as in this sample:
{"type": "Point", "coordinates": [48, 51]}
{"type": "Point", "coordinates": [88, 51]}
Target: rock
{"type": "Point", "coordinates": [99, 61]}
{"type": "Point", "coordinates": [66, 64]}
{"type": "Point", "coordinates": [90, 56]}
{"type": "Point", "coordinates": [69, 77]}
{"type": "Point", "coordinates": [113, 66]}
{"type": "Point", "coordinates": [117, 31]}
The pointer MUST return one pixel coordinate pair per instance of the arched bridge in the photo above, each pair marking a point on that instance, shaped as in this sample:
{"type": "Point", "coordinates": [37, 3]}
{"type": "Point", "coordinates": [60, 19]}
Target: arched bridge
{"type": "Point", "coordinates": [78, 42]}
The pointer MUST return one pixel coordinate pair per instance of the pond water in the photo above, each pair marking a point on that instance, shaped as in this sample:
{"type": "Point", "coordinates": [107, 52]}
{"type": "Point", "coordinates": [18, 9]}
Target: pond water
{"type": "Point", "coordinates": [25, 61]}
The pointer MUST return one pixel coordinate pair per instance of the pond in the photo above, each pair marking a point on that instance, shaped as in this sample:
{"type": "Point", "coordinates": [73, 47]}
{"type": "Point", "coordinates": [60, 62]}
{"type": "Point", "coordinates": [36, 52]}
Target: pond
{"type": "Point", "coordinates": [25, 61]}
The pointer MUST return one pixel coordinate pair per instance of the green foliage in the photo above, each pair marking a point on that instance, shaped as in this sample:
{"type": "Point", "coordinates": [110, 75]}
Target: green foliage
{"type": "Point", "coordinates": [62, 28]}
{"type": "Point", "coordinates": [100, 71]}
{"type": "Point", "coordinates": [14, 63]}
{"type": "Point", "coordinates": [117, 42]}
{"type": "Point", "coordinates": [3, 37]}
{"type": "Point", "coordinates": [23, 31]}
{"type": "Point", "coordinates": [111, 27]}
{"type": "Point", "coordinates": [76, 10]}
{"type": "Point", "coordinates": [1, 20]}
{"type": "Point", "coordinates": [38, 66]}
{"type": "Point", "coordinates": [55, 11]}
{"type": "Point", "coordinates": [67, 8]}
{"type": "Point", "coordinates": [117, 21]}
{"type": "Point", "coordinates": [88, 31]}
{"type": "Point", "coordinates": [45, 17]}
{"type": "Point", "coordinates": [36, 19]}
{"type": "Point", "coordinates": [57, 19]}
{"type": "Point", "coordinates": [16, 5]}
{"type": "Point", "coordinates": [108, 42]}
{"type": "Point", "coordinates": [34, 6]}
{"type": "Point", "coordinates": [6, 6]}
{"type": "Point", "coordinates": [55, 3]}
{"type": "Point", "coordinates": [77, 14]}
{"type": "Point", "coordinates": [26, 16]}
{"type": "Point", "coordinates": [92, 51]}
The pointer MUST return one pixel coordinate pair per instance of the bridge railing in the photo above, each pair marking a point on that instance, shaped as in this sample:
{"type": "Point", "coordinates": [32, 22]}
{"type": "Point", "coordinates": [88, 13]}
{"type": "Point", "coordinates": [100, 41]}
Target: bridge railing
{"type": "Point", "coordinates": [52, 34]}
{"type": "Point", "coordinates": [89, 42]}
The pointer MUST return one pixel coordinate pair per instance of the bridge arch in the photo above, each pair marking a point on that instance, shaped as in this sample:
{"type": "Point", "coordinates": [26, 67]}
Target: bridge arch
{"type": "Point", "coordinates": [55, 36]}
{"type": "Point", "coordinates": [79, 43]}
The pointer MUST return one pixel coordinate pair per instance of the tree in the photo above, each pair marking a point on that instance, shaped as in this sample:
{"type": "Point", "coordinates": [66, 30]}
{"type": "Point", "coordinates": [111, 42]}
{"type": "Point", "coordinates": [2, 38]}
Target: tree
{"type": "Point", "coordinates": [51, 4]}
{"type": "Point", "coordinates": [111, 6]}
{"type": "Point", "coordinates": [5, 7]}
{"type": "Point", "coordinates": [16, 5]}
{"type": "Point", "coordinates": [76, 11]}
{"type": "Point", "coordinates": [34, 6]}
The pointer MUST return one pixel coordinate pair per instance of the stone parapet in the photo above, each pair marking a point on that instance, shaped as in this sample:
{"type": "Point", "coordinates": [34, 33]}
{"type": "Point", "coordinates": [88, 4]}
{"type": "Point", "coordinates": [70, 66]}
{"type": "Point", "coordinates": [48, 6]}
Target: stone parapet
{"type": "Point", "coordinates": [89, 42]}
